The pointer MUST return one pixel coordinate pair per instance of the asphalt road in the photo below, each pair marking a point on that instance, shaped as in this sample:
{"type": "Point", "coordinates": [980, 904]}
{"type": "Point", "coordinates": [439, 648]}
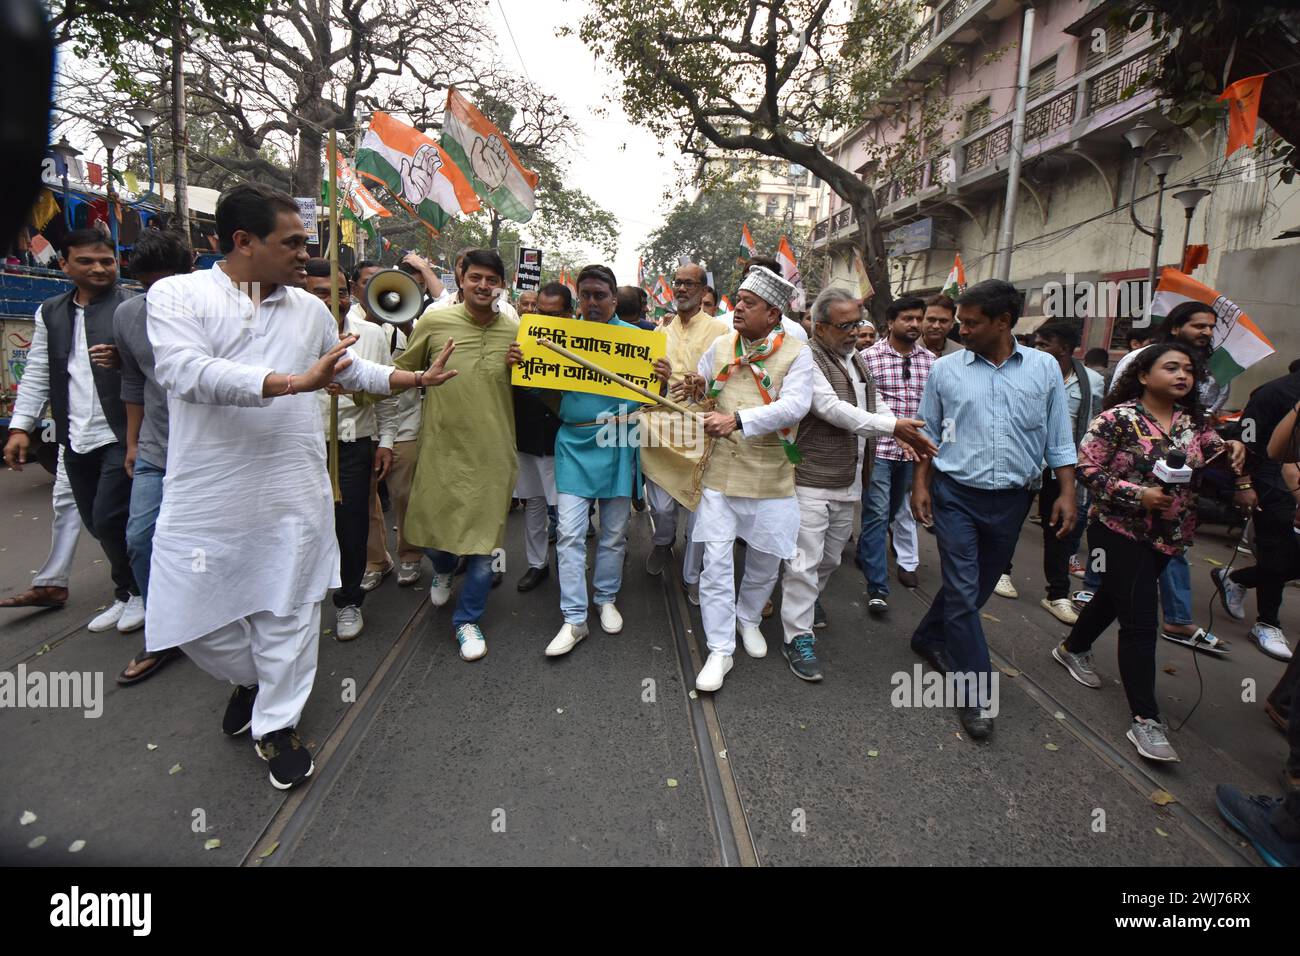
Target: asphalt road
{"type": "Point", "coordinates": [607, 756]}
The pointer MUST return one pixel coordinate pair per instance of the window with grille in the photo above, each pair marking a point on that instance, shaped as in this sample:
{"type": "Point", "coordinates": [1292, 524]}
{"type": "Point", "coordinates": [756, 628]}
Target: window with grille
{"type": "Point", "coordinates": [1116, 36]}
{"type": "Point", "coordinates": [978, 116]}
{"type": "Point", "coordinates": [772, 204]}
{"type": "Point", "coordinates": [1042, 79]}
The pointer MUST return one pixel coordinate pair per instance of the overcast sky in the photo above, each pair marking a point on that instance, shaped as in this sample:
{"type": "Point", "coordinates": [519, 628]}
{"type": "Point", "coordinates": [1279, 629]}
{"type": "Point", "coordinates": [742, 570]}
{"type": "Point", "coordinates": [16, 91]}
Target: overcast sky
{"type": "Point", "coordinates": [618, 164]}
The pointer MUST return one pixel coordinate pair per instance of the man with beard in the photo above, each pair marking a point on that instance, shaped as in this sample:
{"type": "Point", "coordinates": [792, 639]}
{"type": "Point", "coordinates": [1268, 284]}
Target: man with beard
{"type": "Point", "coordinates": [900, 365]}
{"type": "Point", "coordinates": [846, 416]}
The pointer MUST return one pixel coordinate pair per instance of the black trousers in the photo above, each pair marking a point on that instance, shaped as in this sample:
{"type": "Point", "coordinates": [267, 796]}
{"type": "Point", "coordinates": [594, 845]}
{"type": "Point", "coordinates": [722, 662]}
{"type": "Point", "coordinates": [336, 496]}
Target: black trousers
{"type": "Point", "coordinates": [102, 490]}
{"type": "Point", "coordinates": [1277, 561]}
{"type": "Point", "coordinates": [1056, 551]}
{"type": "Point", "coordinates": [352, 518]}
{"type": "Point", "coordinates": [1129, 592]}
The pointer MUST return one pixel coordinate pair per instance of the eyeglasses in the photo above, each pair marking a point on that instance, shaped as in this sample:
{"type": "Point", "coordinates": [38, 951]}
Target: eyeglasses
{"type": "Point", "coordinates": [849, 326]}
{"type": "Point", "coordinates": [686, 283]}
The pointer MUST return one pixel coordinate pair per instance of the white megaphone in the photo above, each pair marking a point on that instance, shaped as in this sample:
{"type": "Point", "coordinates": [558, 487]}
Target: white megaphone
{"type": "Point", "coordinates": [392, 296]}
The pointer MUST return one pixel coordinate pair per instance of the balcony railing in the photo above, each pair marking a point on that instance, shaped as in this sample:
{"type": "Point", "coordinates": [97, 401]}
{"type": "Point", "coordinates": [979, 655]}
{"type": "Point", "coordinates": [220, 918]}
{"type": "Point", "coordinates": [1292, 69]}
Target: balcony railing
{"type": "Point", "coordinates": [1107, 87]}
{"type": "Point", "coordinates": [951, 11]}
{"type": "Point", "coordinates": [989, 147]}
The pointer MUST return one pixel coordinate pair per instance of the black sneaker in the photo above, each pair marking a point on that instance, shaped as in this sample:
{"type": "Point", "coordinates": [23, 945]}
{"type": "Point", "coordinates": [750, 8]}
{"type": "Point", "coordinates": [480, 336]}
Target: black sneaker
{"type": "Point", "coordinates": [290, 761]}
{"type": "Point", "coordinates": [799, 655]}
{"type": "Point", "coordinates": [819, 615]}
{"type": "Point", "coordinates": [1252, 817]}
{"type": "Point", "coordinates": [239, 711]}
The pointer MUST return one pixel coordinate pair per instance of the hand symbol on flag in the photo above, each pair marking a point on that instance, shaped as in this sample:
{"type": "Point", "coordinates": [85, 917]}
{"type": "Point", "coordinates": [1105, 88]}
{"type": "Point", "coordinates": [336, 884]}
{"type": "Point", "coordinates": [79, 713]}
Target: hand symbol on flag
{"type": "Point", "coordinates": [418, 175]}
{"type": "Point", "coordinates": [489, 161]}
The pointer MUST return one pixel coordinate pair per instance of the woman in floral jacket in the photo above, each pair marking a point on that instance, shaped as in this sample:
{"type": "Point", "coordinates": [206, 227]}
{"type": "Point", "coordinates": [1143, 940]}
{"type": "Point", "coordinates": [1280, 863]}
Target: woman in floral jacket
{"type": "Point", "coordinates": [1136, 524]}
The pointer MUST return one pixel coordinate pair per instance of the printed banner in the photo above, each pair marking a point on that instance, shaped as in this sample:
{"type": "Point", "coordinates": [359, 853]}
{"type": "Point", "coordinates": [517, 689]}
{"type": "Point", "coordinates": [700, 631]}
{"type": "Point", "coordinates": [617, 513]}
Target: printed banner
{"type": "Point", "coordinates": [630, 353]}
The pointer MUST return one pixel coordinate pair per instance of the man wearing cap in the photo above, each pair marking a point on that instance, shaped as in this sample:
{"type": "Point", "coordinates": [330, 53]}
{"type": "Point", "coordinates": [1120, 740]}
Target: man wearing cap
{"type": "Point", "coordinates": [761, 383]}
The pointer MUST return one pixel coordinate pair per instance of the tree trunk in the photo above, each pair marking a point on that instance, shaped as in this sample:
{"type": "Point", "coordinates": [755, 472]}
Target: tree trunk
{"type": "Point", "coordinates": [494, 242]}
{"type": "Point", "coordinates": [870, 244]}
{"type": "Point", "coordinates": [180, 165]}
{"type": "Point", "coordinates": [307, 168]}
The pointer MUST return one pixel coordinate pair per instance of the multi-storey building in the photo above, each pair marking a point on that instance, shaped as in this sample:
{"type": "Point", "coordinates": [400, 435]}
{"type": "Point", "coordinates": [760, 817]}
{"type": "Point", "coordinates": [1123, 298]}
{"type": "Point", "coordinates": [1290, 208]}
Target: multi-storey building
{"type": "Point", "coordinates": [1090, 82]}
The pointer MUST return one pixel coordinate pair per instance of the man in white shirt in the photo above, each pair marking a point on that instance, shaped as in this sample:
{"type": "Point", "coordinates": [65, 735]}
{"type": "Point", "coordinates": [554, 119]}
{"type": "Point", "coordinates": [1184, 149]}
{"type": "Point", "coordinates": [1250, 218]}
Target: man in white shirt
{"type": "Point", "coordinates": [833, 437]}
{"type": "Point", "coordinates": [367, 431]}
{"type": "Point", "coordinates": [244, 549]}
{"type": "Point", "coordinates": [73, 360]}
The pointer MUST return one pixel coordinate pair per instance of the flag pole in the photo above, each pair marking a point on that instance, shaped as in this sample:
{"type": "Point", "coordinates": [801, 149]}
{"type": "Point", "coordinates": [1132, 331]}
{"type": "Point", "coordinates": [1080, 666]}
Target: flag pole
{"type": "Point", "coordinates": [334, 307]}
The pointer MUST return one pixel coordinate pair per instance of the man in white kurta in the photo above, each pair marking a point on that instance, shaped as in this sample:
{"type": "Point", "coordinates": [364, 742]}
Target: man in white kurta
{"type": "Point", "coordinates": [244, 549]}
{"type": "Point", "coordinates": [762, 381]}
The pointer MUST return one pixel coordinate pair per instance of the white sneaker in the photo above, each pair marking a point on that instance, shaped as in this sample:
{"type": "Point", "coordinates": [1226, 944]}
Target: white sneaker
{"type": "Point", "coordinates": [440, 588]}
{"type": "Point", "coordinates": [132, 618]}
{"type": "Point", "coordinates": [370, 580]}
{"type": "Point", "coordinates": [1271, 641]}
{"type": "Point", "coordinates": [715, 669]}
{"type": "Point", "coordinates": [109, 618]}
{"type": "Point", "coordinates": [1005, 588]}
{"type": "Point", "coordinates": [472, 643]}
{"type": "Point", "coordinates": [1062, 609]}
{"type": "Point", "coordinates": [408, 572]}
{"type": "Point", "coordinates": [753, 639]}
{"type": "Point", "coordinates": [1232, 594]}
{"type": "Point", "coordinates": [611, 622]}
{"type": "Point", "coordinates": [350, 623]}
{"type": "Point", "coordinates": [567, 639]}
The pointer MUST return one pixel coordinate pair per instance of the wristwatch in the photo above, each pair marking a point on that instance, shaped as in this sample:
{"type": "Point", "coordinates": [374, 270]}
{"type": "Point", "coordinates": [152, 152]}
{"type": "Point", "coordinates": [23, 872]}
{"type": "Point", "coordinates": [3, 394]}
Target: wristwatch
{"type": "Point", "coordinates": [739, 426]}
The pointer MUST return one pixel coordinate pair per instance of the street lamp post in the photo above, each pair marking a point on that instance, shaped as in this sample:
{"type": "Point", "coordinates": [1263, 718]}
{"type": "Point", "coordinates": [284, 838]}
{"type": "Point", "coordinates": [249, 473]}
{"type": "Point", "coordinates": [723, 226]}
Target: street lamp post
{"type": "Point", "coordinates": [66, 152]}
{"type": "Point", "coordinates": [1190, 198]}
{"type": "Point", "coordinates": [146, 119]}
{"type": "Point", "coordinates": [1160, 164]}
{"type": "Point", "coordinates": [111, 139]}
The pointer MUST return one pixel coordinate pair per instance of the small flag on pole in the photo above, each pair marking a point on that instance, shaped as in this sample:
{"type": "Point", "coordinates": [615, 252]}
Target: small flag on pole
{"type": "Point", "coordinates": [747, 248]}
{"type": "Point", "coordinates": [956, 281]}
{"type": "Point", "coordinates": [724, 306]}
{"type": "Point", "coordinates": [1242, 98]}
{"type": "Point", "coordinates": [865, 289]}
{"type": "Point", "coordinates": [790, 271]}
{"type": "Point", "coordinates": [1238, 343]}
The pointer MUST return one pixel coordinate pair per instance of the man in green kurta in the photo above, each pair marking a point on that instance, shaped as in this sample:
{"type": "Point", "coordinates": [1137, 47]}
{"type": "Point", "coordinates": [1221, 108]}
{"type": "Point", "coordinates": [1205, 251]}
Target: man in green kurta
{"type": "Point", "coordinates": [466, 464]}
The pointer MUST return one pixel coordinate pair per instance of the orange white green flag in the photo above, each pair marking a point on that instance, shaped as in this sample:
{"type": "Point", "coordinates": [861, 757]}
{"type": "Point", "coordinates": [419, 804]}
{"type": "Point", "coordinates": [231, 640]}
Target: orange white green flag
{"type": "Point", "coordinates": [955, 284]}
{"type": "Point", "coordinates": [481, 150]}
{"type": "Point", "coordinates": [415, 170]}
{"type": "Point", "coordinates": [747, 248]}
{"type": "Point", "coordinates": [790, 271]}
{"type": "Point", "coordinates": [1237, 344]}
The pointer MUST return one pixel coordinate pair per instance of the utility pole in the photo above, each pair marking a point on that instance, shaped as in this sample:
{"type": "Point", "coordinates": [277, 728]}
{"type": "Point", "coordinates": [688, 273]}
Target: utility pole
{"type": "Point", "coordinates": [180, 165]}
{"type": "Point", "coordinates": [1007, 235]}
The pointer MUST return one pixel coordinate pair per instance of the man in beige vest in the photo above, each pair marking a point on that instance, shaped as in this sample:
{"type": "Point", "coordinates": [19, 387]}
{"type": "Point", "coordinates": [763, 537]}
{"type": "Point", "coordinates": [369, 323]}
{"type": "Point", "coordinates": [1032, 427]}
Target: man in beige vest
{"type": "Point", "coordinates": [761, 379]}
{"type": "Point", "coordinates": [845, 414]}
{"type": "Point", "coordinates": [689, 332]}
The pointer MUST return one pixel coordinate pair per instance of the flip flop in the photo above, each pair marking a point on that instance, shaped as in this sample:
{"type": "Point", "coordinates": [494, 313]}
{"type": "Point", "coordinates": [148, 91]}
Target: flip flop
{"type": "Point", "coordinates": [1200, 641]}
{"type": "Point", "coordinates": [159, 660]}
{"type": "Point", "coordinates": [29, 599]}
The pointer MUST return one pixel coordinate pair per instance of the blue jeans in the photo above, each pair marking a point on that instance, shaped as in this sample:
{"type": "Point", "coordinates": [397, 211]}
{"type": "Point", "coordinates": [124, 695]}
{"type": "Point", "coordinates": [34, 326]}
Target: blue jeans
{"type": "Point", "coordinates": [571, 552]}
{"type": "Point", "coordinates": [474, 591]}
{"type": "Point", "coordinates": [977, 532]}
{"type": "Point", "coordinates": [890, 482]}
{"type": "Point", "coordinates": [146, 499]}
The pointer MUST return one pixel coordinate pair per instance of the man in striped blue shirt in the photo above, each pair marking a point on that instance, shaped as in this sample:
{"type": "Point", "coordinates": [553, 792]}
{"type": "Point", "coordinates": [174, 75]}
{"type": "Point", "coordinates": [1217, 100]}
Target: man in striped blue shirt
{"type": "Point", "coordinates": [998, 410]}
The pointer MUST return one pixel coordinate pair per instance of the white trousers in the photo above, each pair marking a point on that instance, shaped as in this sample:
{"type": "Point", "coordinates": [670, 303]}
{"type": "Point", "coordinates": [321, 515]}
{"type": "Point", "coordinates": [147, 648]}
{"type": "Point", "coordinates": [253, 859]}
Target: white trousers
{"type": "Point", "coordinates": [904, 529]}
{"type": "Point", "coordinates": [64, 533]}
{"type": "Point", "coordinates": [536, 524]}
{"type": "Point", "coordinates": [824, 528]}
{"type": "Point", "coordinates": [720, 607]}
{"type": "Point", "coordinates": [278, 654]}
{"type": "Point", "coordinates": [663, 514]}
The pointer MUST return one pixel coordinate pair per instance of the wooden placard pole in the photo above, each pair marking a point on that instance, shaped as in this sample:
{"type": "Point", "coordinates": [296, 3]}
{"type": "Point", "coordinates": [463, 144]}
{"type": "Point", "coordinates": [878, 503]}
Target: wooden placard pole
{"type": "Point", "coordinates": [334, 306]}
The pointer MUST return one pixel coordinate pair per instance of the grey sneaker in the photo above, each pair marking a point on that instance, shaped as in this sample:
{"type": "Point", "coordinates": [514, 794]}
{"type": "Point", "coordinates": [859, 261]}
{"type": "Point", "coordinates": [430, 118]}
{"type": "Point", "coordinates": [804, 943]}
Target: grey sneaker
{"type": "Point", "coordinates": [1233, 595]}
{"type": "Point", "coordinates": [802, 658]}
{"type": "Point", "coordinates": [658, 559]}
{"type": "Point", "coordinates": [693, 593]}
{"type": "Point", "coordinates": [1150, 739]}
{"type": "Point", "coordinates": [1079, 665]}
{"type": "Point", "coordinates": [349, 624]}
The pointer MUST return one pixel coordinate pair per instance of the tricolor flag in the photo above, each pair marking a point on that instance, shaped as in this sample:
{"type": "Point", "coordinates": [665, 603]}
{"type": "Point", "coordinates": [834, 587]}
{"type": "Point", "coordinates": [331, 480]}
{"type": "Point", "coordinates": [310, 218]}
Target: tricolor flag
{"type": "Point", "coordinates": [663, 292]}
{"type": "Point", "coordinates": [725, 306]}
{"type": "Point", "coordinates": [790, 270]}
{"type": "Point", "coordinates": [1243, 110]}
{"type": "Point", "coordinates": [955, 284]}
{"type": "Point", "coordinates": [415, 170]}
{"type": "Point", "coordinates": [865, 289]}
{"type": "Point", "coordinates": [359, 203]}
{"type": "Point", "coordinates": [1238, 343]}
{"type": "Point", "coordinates": [481, 150]}
{"type": "Point", "coordinates": [747, 248]}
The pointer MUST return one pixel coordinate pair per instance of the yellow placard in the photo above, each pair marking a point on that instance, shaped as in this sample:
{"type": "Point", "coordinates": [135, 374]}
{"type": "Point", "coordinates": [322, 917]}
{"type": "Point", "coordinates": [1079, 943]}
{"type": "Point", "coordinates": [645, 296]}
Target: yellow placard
{"type": "Point", "coordinates": [630, 353]}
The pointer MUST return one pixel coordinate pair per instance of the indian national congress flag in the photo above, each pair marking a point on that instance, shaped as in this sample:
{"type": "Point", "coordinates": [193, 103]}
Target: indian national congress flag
{"type": "Point", "coordinates": [415, 170]}
{"type": "Point", "coordinates": [1238, 343]}
{"type": "Point", "coordinates": [479, 148]}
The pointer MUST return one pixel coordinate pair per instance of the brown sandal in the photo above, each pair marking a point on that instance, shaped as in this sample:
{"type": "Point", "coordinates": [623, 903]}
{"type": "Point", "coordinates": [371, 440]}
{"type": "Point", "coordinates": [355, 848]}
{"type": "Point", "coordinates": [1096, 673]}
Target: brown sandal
{"type": "Point", "coordinates": [38, 596]}
{"type": "Point", "coordinates": [159, 659]}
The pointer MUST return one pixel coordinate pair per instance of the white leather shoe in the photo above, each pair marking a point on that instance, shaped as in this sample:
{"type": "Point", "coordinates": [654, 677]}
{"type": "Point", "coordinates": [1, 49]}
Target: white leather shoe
{"type": "Point", "coordinates": [107, 620]}
{"type": "Point", "coordinates": [753, 639]}
{"type": "Point", "coordinates": [567, 639]}
{"type": "Point", "coordinates": [611, 622]}
{"type": "Point", "coordinates": [132, 618]}
{"type": "Point", "coordinates": [1004, 588]}
{"type": "Point", "coordinates": [440, 588]}
{"type": "Point", "coordinates": [715, 669]}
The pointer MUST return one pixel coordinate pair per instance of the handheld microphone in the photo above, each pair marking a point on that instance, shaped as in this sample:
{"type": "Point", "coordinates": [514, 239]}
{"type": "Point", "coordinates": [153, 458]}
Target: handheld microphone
{"type": "Point", "coordinates": [1172, 471]}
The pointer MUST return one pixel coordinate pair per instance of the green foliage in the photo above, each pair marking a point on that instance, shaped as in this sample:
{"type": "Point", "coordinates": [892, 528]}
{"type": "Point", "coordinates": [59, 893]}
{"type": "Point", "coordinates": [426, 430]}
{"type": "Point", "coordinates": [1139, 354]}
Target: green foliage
{"type": "Point", "coordinates": [98, 29]}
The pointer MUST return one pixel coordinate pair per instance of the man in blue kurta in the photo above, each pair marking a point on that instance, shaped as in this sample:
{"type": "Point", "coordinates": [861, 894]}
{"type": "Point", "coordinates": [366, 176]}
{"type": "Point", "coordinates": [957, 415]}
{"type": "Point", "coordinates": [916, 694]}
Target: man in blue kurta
{"type": "Point", "coordinates": [591, 468]}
